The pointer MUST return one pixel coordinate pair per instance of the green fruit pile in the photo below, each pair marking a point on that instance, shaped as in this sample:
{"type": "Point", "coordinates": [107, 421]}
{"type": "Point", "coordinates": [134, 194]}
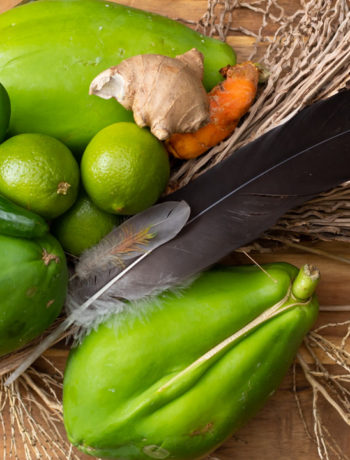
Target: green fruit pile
{"type": "Point", "coordinates": [124, 168]}
{"type": "Point", "coordinates": [124, 171]}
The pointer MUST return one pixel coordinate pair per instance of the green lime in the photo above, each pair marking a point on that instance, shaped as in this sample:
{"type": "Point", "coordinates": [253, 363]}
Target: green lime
{"type": "Point", "coordinates": [83, 225]}
{"type": "Point", "coordinates": [5, 112]}
{"type": "Point", "coordinates": [124, 169]}
{"type": "Point", "coordinates": [39, 173]}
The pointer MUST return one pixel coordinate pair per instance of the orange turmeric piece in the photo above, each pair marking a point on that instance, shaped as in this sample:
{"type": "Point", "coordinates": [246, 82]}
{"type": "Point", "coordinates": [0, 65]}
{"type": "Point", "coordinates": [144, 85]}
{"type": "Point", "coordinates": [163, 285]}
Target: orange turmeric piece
{"type": "Point", "coordinates": [229, 101]}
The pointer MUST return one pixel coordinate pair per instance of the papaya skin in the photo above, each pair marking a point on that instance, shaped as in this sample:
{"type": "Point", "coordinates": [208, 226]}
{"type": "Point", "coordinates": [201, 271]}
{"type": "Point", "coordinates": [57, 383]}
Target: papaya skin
{"type": "Point", "coordinates": [33, 285]}
{"type": "Point", "coordinates": [51, 50]}
{"type": "Point", "coordinates": [126, 392]}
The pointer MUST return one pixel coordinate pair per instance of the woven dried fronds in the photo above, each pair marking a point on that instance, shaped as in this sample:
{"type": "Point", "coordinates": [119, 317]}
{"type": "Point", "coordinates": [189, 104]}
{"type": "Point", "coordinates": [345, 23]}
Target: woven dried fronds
{"type": "Point", "coordinates": [218, 18]}
{"type": "Point", "coordinates": [333, 386]}
{"type": "Point", "coordinates": [325, 218]}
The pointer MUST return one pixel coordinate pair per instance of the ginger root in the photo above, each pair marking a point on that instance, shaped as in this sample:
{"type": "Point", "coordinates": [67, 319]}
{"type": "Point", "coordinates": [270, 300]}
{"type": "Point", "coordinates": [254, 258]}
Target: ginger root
{"type": "Point", "coordinates": [164, 93]}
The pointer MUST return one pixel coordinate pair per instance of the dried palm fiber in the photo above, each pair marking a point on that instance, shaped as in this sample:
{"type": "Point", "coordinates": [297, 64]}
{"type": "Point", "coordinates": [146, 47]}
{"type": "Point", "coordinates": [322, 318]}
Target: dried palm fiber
{"type": "Point", "coordinates": [307, 53]}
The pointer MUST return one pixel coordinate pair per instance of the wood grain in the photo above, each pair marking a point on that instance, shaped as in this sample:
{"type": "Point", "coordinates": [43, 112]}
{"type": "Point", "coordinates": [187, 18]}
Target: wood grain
{"type": "Point", "coordinates": [277, 431]}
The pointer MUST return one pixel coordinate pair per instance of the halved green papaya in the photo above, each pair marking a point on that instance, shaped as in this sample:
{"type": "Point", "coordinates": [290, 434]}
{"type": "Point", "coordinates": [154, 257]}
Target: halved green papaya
{"type": "Point", "coordinates": [50, 51]}
{"type": "Point", "coordinates": [33, 286]}
{"type": "Point", "coordinates": [175, 376]}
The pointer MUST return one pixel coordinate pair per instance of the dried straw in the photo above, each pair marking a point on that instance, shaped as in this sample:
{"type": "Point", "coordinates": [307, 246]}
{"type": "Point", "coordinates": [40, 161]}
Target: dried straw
{"type": "Point", "coordinates": [34, 396]}
{"type": "Point", "coordinates": [307, 54]}
{"type": "Point", "coordinates": [333, 387]}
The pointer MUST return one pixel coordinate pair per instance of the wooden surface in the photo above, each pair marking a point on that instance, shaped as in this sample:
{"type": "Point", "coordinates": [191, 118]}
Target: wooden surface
{"type": "Point", "coordinates": [277, 432]}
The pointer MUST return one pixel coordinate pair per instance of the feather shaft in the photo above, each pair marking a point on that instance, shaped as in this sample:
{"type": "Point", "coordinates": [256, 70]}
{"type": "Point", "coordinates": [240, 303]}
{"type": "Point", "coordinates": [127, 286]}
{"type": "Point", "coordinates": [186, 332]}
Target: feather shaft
{"type": "Point", "coordinates": [262, 174]}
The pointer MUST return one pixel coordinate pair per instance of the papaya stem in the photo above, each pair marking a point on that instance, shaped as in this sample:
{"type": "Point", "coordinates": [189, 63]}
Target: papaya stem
{"type": "Point", "coordinates": [305, 283]}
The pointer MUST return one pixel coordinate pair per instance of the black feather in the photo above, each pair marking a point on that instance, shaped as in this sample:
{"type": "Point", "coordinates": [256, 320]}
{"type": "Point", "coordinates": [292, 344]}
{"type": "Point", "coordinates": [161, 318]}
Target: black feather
{"type": "Point", "coordinates": [236, 201]}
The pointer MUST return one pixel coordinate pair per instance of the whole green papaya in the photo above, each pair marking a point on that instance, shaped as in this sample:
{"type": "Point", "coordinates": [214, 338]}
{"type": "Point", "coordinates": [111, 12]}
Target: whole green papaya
{"type": "Point", "coordinates": [33, 285]}
{"type": "Point", "coordinates": [175, 376]}
{"type": "Point", "coordinates": [50, 51]}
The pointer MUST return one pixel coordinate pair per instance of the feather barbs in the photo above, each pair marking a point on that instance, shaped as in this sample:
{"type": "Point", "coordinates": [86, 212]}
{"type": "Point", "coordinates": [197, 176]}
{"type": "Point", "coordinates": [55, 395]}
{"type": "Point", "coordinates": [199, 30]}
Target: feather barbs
{"type": "Point", "coordinates": [115, 249]}
{"type": "Point", "coordinates": [132, 242]}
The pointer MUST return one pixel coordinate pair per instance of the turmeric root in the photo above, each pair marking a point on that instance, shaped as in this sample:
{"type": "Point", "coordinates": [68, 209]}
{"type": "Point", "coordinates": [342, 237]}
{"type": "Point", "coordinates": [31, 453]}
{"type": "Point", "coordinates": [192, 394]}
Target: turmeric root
{"type": "Point", "coordinates": [229, 101]}
{"type": "Point", "coordinates": [166, 94]}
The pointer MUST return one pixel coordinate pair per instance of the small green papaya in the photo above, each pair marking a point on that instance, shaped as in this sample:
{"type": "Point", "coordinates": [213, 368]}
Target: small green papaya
{"type": "Point", "coordinates": [51, 50]}
{"type": "Point", "coordinates": [33, 286]}
{"type": "Point", "coordinates": [175, 376]}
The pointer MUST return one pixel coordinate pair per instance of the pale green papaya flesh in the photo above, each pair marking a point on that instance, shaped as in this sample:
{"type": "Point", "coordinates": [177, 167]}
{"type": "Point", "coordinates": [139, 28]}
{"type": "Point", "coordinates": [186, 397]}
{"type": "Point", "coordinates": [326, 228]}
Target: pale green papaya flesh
{"type": "Point", "coordinates": [50, 51]}
{"type": "Point", "coordinates": [127, 395]}
{"type": "Point", "coordinates": [33, 286]}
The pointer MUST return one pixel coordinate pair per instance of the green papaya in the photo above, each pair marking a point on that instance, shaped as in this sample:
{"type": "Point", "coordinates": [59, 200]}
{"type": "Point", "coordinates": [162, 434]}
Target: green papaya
{"type": "Point", "coordinates": [5, 112]}
{"type": "Point", "coordinates": [50, 51]}
{"type": "Point", "coordinates": [33, 285]}
{"type": "Point", "coordinates": [175, 376]}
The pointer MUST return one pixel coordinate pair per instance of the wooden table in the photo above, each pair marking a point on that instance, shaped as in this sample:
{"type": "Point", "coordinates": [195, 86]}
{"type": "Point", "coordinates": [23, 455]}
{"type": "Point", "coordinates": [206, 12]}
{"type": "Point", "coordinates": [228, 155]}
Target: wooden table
{"type": "Point", "coordinates": [277, 432]}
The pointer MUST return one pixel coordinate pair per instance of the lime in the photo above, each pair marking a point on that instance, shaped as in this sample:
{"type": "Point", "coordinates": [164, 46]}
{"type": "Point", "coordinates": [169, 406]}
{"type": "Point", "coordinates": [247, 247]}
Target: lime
{"type": "Point", "coordinates": [124, 168]}
{"type": "Point", "coordinates": [39, 173]}
{"type": "Point", "coordinates": [83, 225]}
{"type": "Point", "coordinates": [5, 112]}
